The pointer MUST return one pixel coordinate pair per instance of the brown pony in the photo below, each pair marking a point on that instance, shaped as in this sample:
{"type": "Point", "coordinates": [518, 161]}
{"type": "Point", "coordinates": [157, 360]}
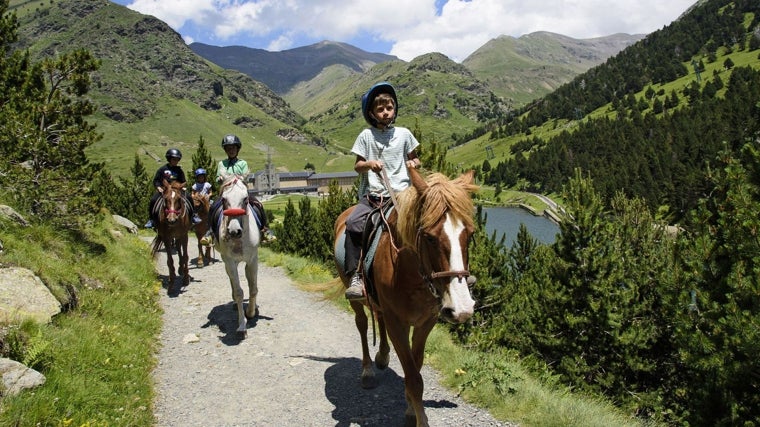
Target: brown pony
{"type": "Point", "coordinates": [172, 211]}
{"type": "Point", "coordinates": [201, 206]}
{"type": "Point", "coordinates": [420, 273]}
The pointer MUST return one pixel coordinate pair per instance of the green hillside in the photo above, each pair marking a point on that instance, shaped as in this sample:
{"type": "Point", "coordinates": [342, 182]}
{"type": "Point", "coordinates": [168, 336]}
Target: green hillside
{"type": "Point", "coordinates": [473, 153]}
{"type": "Point", "coordinates": [153, 92]}
{"type": "Point", "coordinates": [526, 68]}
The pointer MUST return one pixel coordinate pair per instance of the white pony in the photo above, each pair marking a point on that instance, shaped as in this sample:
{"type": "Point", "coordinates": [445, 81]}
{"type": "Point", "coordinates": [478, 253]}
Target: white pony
{"type": "Point", "coordinates": [237, 240]}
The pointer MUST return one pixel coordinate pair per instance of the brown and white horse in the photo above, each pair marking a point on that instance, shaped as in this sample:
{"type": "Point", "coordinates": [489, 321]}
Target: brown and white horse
{"type": "Point", "coordinates": [173, 213]}
{"type": "Point", "coordinates": [420, 274]}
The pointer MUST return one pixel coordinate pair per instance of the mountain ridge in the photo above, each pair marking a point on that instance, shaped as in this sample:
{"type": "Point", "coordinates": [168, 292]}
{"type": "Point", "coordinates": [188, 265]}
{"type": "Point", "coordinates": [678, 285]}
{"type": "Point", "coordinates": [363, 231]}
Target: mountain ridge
{"type": "Point", "coordinates": [280, 71]}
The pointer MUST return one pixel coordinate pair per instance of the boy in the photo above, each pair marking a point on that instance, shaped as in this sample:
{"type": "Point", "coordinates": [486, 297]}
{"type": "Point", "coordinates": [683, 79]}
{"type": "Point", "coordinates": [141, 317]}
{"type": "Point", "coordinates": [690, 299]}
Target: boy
{"type": "Point", "coordinates": [171, 172]}
{"type": "Point", "coordinates": [380, 147]}
{"type": "Point", "coordinates": [232, 165]}
{"type": "Point", "coordinates": [201, 186]}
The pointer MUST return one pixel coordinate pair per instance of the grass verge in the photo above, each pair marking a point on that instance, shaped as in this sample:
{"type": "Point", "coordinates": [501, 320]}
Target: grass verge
{"type": "Point", "coordinates": [97, 358]}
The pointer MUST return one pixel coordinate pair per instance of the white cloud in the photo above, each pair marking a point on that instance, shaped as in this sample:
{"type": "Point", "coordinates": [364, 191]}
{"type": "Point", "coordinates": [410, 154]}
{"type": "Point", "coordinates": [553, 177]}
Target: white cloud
{"type": "Point", "coordinates": [409, 27]}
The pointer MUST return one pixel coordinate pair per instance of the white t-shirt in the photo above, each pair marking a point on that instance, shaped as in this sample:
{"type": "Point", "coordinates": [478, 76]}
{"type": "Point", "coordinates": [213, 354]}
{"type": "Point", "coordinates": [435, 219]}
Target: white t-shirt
{"type": "Point", "coordinates": [392, 146]}
{"type": "Point", "coordinates": [202, 187]}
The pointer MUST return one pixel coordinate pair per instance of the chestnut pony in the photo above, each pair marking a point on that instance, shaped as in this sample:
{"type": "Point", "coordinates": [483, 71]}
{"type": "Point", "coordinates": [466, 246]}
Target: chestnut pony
{"type": "Point", "coordinates": [171, 232]}
{"type": "Point", "coordinates": [420, 273]}
{"type": "Point", "coordinates": [201, 205]}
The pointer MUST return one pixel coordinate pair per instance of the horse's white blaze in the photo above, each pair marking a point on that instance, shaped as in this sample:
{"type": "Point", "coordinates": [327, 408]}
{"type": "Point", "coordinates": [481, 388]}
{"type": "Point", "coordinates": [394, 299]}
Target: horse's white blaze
{"type": "Point", "coordinates": [458, 298]}
{"type": "Point", "coordinates": [240, 245]}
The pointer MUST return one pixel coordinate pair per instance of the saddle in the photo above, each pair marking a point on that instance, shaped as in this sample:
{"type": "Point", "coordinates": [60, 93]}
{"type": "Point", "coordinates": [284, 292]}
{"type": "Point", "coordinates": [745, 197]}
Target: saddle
{"type": "Point", "coordinates": [373, 229]}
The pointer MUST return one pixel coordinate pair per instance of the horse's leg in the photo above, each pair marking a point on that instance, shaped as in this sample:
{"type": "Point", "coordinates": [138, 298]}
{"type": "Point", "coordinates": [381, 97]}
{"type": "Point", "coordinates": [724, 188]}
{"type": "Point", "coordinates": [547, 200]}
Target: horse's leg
{"type": "Point", "coordinates": [168, 245]}
{"type": "Point", "coordinates": [237, 296]}
{"type": "Point", "coordinates": [360, 318]}
{"type": "Point", "coordinates": [251, 275]}
{"type": "Point", "coordinates": [398, 332]}
{"type": "Point", "coordinates": [184, 259]}
{"type": "Point", "coordinates": [382, 357]}
{"type": "Point", "coordinates": [200, 262]}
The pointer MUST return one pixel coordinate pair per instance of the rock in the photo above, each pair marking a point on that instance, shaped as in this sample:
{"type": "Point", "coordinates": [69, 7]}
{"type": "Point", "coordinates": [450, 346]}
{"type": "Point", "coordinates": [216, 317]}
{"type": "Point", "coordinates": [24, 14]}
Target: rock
{"type": "Point", "coordinates": [17, 377]}
{"type": "Point", "coordinates": [191, 338]}
{"type": "Point", "coordinates": [9, 212]}
{"type": "Point", "coordinates": [23, 295]}
{"type": "Point", "coordinates": [129, 225]}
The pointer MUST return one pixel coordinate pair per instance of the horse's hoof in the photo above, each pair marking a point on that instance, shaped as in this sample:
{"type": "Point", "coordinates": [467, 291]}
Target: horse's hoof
{"type": "Point", "coordinates": [410, 420]}
{"type": "Point", "coordinates": [381, 360]}
{"type": "Point", "coordinates": [369, 382]}
{"type": "Point", "coordinates": [242, 335]}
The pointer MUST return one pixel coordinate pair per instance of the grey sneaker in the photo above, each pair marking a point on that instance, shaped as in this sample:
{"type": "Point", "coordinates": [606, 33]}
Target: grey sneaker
{"type": "Point", "coordinates": [355, 290]}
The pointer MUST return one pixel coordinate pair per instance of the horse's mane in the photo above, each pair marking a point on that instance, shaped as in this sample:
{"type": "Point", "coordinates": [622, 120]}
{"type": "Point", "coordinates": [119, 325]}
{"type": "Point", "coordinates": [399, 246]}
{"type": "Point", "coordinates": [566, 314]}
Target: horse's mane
{"type": "Point", "coordinates": [228, 179]}
{"type": "Point", "coordinates": [424, 210]}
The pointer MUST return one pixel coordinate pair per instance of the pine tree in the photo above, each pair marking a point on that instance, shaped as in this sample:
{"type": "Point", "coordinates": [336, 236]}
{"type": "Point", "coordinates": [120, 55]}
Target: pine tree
{"type": "Point", "coordinates": [43, 132]}
{"type": "Point", "coordinates": [720, 293]}
{"type": "Point", "coordinates": [136, 192]}
{"type": "Point", "coordinates": [202, 159]}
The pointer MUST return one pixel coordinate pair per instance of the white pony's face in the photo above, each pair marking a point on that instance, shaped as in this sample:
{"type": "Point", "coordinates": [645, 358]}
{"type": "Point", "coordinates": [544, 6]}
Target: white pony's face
{"type": "Point", "coordinates": [235, 205]}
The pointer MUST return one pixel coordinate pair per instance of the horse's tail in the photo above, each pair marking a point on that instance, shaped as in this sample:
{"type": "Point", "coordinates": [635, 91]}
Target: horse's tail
{"type": "Point", "coordinates": [156, 246]}
{"type": "Point", "coordinates": [330, 290]}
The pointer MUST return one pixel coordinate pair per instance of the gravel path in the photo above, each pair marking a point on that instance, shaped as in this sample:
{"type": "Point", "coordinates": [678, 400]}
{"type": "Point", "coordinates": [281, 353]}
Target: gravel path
{"type": "Point", "coordinates": [299, 366]}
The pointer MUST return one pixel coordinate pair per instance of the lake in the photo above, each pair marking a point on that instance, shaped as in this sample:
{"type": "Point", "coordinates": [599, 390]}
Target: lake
{"type": "Point", "coordinates": [508, 220]}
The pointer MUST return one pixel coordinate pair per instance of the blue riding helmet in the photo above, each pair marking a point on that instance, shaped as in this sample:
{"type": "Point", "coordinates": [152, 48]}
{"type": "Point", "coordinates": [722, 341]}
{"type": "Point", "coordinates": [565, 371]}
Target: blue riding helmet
{"type": "Point", "coordinates": [200, 171]}
{"type": "Point", "coordinates": [367, 98]}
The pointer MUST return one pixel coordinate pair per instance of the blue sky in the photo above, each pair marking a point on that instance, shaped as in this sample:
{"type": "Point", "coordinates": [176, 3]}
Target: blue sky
{"type": "Point", "coordinates": [405, 28]}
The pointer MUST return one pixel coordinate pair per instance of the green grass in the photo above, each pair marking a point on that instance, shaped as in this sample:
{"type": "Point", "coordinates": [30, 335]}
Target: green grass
{"type": "Point", "coordinates": [500, 383]}
{"type": "Point", "coordinates": [178, 125]}
{"type": "Point", "coordinates": [99, 357]}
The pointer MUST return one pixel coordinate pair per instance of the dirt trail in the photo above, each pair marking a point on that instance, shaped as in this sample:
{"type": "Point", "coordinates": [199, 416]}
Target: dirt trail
{"type": "Point", "coordinates": [299, 366]}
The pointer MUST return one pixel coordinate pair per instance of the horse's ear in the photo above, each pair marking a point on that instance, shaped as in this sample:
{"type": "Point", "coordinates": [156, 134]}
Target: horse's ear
{"type": "Point", "coordinates": [468, 177]}
{"type": "Point", "coordinates": [418, 181]}
{"type": "Point", "coordinates": [467, 180]}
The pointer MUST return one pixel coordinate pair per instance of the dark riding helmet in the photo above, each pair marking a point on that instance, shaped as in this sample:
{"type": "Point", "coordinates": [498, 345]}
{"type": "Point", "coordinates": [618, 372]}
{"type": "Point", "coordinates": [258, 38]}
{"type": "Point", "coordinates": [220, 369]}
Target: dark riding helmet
{"type": "Point", "coordinates": [200, 171]}
{"type": "Point", "coordinates": [231, 140]}
{"type": "Point", "coordinates": [173, 152]}
{"type": "Point", "coordinates": [369, 97]}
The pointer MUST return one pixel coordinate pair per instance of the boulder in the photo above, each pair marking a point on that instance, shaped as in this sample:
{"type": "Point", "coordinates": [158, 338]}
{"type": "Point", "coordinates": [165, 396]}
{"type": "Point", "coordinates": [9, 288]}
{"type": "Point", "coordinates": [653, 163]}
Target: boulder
{"type": "Point", "coordinates": [23, 295]}
{"type": "Point", "coordinates": [17, 377]}
{"type": "Point", "coordinates": [129, 225]}
{"type": "Point", "coordinates": [9, 212]}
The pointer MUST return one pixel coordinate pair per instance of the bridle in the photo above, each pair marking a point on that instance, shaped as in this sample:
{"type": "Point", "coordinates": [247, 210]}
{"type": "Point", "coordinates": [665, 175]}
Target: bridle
{"type": "Point", "coordinates": [182, 202]}
{"type": "Point", "coordinates": [428, 278]}
{"type": "Point", "coordinates": [225, 206]}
